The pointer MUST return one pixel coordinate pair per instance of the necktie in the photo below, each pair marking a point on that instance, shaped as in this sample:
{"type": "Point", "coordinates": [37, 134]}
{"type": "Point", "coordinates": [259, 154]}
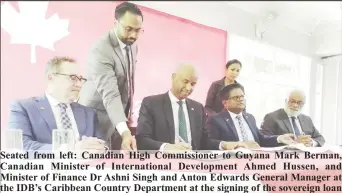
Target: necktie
{"type": "Point", "coordinates": [182, 123]}
{"type": "Point", "coordinates": [242, 129]}
{"type": "Point", "coordinates": [295, 127]}
{"type": "Point", "coordinates": [130, 82]}
{"type": "Point", "coordinates": [65, 120]}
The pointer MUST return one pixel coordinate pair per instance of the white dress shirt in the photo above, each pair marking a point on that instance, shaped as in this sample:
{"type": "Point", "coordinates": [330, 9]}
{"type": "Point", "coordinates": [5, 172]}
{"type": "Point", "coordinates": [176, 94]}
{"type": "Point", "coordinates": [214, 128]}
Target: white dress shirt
{"type": "Point", "coordinates": [122, 126]}
{"type": "Point", "coordinates": [57, 114]}
{"type": "Point", "coordinates": [175, 108]}
{"type": "Point", "coordinates": [314, 143]}
{"type": "Point", "coordinates": [249, 133]}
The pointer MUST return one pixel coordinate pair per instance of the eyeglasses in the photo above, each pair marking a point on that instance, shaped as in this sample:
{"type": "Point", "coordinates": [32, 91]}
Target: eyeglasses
{"type": "Point", "coordinates": [129, 29]}
{"type": "Point", "coordinates": [74, 77]}
{"type": "Point", "coordinates": [237, 98]}
{"type": "Point", "coordinates": [299, 103]}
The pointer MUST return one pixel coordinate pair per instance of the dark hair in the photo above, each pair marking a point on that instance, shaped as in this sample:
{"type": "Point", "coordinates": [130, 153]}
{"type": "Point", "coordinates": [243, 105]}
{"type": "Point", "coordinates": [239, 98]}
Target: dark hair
{"type": "Point", "coordinates": [230, 62]}
{"type": "Point", "coordinates": [225, 92]}
{"type": "Point", "coordinates": [121, 9]}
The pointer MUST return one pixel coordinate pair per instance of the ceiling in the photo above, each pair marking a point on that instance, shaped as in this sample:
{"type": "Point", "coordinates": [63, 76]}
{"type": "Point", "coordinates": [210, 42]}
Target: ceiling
{"type": "Point", "coordinates": [310, 18]}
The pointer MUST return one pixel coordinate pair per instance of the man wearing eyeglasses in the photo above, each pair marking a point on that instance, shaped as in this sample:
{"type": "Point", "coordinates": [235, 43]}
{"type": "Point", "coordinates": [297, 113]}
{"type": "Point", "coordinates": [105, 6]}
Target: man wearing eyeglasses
{"type": "Point", "coordinates": [37, 117]}
{"type": "Point", "coordinates": [290, 120]}
{"type": "Point", "coordinates": [234, 124]}
{"type": "Point", "coordinates": [110, 72]}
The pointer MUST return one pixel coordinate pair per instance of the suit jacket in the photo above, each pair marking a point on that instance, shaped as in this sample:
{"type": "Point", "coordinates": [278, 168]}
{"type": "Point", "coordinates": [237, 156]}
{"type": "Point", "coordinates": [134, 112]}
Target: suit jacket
{"type": "Point", "coordinates": [107, 87]}
{"type": "Point", "coordinates": [35, 118]}
{"type": "Point", "coordinates": [156, 124]}
{"type": "Point", "coordinates": [278, 123]}
{"type": "Point", "coordinates": [221, 127]}
{"type": "Point", "coordinates": [213, 103]}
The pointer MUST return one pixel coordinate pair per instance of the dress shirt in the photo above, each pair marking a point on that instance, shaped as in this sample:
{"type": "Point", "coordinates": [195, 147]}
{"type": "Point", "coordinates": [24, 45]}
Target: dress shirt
{"type": "Point", "coordinates": [122, 126]}
{"type": "Point", "coordinates": [57, 114]}
{"type": "Point", "coordinates": [314, 143]}
{"type": "Point", "coordinates": [175, 108]}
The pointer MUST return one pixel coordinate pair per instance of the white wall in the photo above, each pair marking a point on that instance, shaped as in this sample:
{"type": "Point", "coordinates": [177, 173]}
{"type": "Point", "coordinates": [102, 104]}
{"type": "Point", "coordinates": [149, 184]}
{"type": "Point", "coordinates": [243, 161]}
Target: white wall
{"type": "Point", "coordinates": [327, 44]}
{"type": "Point", "coordinates": [331, 100]}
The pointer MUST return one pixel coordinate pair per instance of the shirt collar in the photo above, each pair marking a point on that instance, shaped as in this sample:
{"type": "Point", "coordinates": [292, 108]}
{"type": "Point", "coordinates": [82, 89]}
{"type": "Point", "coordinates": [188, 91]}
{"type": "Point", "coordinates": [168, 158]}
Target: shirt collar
{"type": "Point", "coordinates": [122, 45]}
{"type": "Point", "coordinates": [173, 98]}
{"type": "Point", "coordinates": [233, 115]}
{"type": "Point", "coordinates": [53, 101]}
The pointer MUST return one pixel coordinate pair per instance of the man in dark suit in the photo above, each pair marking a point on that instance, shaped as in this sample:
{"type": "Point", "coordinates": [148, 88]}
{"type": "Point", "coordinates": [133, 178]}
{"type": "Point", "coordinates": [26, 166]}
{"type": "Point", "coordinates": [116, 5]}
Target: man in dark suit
{"type": "Point", "coordinates": [110, 72]}
{"type": "Point", "coordinates": [235, 125]}
{"type": "Point", "coordinates": [171, 121]}
{"type": "Point", "coordinates": [37, 117]}
{"type": "Point", "coordinates": [291, 120]}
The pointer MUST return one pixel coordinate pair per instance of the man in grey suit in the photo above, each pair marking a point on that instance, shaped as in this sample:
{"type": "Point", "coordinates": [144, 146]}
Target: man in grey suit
{"type": "Point", "coordinates": [37, 117]}
{"type": "Point", "coordinates": [291, 120]}
{"type": "Point", "coordinates": [110, 72]}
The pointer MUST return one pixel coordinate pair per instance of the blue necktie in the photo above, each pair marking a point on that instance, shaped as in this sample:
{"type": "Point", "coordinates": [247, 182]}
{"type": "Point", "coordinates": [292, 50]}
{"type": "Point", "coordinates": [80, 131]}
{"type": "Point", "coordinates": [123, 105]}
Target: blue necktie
{"type": "Point", "coordinates": [295, 127]}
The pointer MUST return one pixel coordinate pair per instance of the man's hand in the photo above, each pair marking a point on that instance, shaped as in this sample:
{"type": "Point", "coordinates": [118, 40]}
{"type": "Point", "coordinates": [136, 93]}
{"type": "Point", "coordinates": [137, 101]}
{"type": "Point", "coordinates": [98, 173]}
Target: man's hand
{"type": "Point", "coordinates": [305, 139]}
{"type": "Point", "coordinates": [252, 144]}
{"type": "Point", "coordinates": [128, 141]}
{"type": "Point", "coordinates": [233, 145]}
{"type": "Point", "coordinates": [90, 144]}
{"type": "Point", "coordinates": [287, 139]}
{"type": "Point", "coordinates": [172, 148]}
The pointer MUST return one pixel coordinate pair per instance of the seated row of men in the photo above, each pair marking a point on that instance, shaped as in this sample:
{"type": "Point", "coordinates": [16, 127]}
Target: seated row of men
{"type": "Point", "coordinates": [169, 121]}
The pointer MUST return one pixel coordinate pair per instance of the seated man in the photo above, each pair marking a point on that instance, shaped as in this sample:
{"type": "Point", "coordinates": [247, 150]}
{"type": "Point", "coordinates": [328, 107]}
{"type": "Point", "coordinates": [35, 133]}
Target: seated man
{"type": "Point", "coordinates": [290, 120]}
{"type": "Point", "coordinates": [236, 125]}
{"type": "Point", "coordinates": [38, 116]}
{"type": "Point", "coordinates": [171, 121]}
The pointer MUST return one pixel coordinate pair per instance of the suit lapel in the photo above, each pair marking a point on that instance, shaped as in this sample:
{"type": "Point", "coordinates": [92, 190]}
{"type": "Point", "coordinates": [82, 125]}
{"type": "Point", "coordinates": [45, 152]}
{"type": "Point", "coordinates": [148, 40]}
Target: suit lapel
{"type": "Point", "coordinates": [250, 125]}
{"type": "Point", "coordinates": [229, 121]}
{"type": "Point", "coordinates": [286, 121]}
{"type": "Point", "coordinates": [117, 49]}
{"type": "Point", "coordinates": [80, 118]}
{"type": "Point", "coordinates": [192, 120]}
{"type": "Point", "coordinates": [46, 112]}
{"type": "Point", "coordinates": [302, 125]}
{"type": "Point", "coordinates": [169, 117]}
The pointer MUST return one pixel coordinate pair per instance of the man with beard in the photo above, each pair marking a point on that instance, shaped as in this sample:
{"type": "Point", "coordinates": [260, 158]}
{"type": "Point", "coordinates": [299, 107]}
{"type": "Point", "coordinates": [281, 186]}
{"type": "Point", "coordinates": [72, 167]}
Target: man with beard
{"type": "Point", "coordinates": [172, 121]}
{"type": "Point", "coordinates": [291, 120]}
{"type": "Point", "coordinates": [233, 124]}
{"type": "Point", "coordinates": [110, 73]}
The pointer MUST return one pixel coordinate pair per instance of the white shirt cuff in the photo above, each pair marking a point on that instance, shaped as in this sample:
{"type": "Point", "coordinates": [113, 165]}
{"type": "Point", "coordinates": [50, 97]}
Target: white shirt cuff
{"type": "Point", "coordinates": [278, 139]}
{"type": "Point", "coordinates": [221, 146]}
{"type": "Point", "coordinates": [314, 143]}
{"type": "Point", "coordinates": [122, 127]}
{"type": "Point", "coordinates": [162, 146]}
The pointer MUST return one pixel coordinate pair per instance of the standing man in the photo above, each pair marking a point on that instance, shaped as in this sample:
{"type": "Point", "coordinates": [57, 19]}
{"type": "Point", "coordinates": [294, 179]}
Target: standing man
{"type": "Point", "coordinates": [110, 72]}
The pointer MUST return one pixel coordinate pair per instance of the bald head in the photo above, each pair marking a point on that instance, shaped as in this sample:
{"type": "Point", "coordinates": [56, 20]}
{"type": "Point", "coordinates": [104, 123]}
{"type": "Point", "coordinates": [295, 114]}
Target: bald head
{"type": "Point", "coordinates": [184, 80]}
{"type": "Point", "coordinates": [186, 69]}
{"type": "Point", "coordinates": [295, 102]}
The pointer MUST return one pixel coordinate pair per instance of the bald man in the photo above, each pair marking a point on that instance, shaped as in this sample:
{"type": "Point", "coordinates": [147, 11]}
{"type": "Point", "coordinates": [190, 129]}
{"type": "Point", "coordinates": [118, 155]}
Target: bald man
{"type": "Point", "coordinates": [171, 121]}
{"type": "Point", "coordinates": [290, 120]}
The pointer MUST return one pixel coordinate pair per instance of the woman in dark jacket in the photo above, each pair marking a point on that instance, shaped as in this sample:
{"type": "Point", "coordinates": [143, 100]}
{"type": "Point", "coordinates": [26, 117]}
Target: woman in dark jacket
{"type": "Point", "coordinates": [213, 103]}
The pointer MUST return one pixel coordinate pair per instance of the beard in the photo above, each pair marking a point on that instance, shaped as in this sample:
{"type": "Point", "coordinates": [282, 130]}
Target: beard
{"type": "Point", "coordinates": [292, 113]}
